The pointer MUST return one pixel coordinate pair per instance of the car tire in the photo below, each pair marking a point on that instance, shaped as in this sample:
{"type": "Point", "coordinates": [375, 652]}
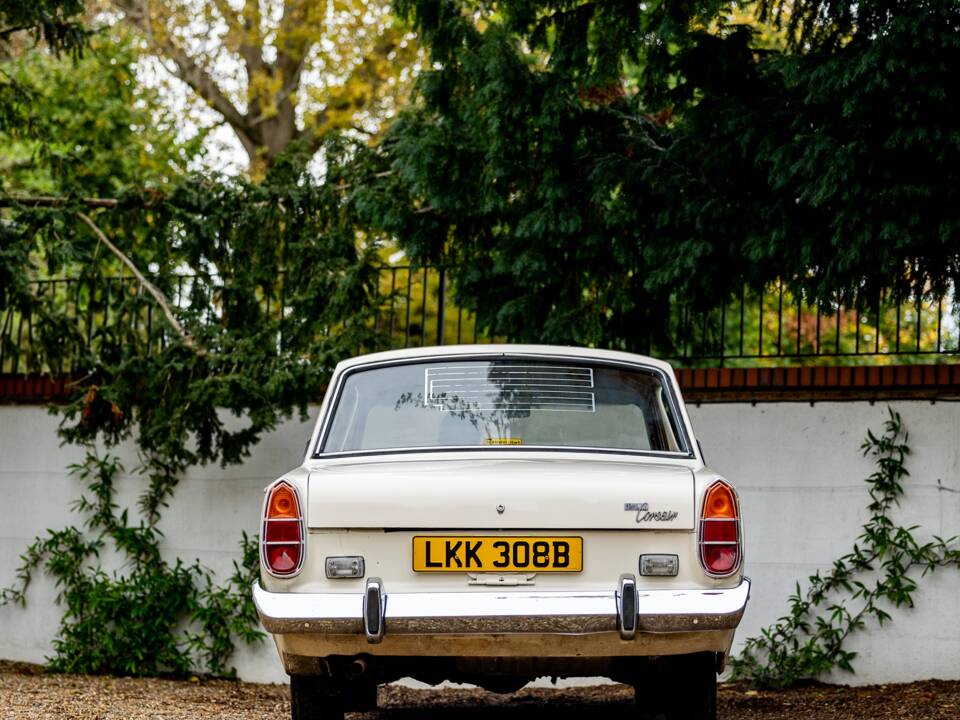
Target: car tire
{"type": "Point", "coordinates": [359, 696]}
{"type": "Point", "coordinates": [683, 688]}
{"type": "Point", "coordinates": [315, 698]}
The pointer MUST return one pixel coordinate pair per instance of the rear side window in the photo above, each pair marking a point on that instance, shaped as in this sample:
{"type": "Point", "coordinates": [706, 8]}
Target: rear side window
{"type": "Point", "coordinates": [504, 403]}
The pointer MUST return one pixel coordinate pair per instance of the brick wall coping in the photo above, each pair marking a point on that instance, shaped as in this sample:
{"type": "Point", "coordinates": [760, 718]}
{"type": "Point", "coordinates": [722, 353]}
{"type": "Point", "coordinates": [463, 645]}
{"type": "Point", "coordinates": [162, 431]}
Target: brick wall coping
{"type": "Point", "coordinates": [699, 385]}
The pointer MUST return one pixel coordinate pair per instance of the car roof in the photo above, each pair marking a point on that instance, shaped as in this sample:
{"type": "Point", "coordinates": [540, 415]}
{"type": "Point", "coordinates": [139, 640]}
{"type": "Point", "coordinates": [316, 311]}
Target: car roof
{"type": "Point", "coordinates": [503, 349]}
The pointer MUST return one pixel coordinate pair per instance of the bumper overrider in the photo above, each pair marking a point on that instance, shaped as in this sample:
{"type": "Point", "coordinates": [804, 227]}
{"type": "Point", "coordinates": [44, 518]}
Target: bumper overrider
{"type": "Point", "coordinates": [627, 609]}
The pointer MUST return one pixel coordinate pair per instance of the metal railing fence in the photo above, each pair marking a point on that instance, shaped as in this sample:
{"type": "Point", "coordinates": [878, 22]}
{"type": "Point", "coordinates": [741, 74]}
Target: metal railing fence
{"type": "Point", "coordinates": [415, 307]}
{"type": "Point", "coordinates": [776, 327]}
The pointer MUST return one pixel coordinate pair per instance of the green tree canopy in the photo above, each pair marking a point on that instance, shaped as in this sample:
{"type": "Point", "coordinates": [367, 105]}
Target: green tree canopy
{"type": "Point", "coordinates": [584, 163]}
{"type": "Point", "coordinates": [55, 23]}
{"type": "Point", "coordinates": [96, 131]}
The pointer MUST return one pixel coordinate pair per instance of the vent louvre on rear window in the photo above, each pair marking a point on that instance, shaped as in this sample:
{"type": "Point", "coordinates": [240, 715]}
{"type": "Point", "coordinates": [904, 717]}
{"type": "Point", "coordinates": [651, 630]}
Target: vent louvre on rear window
{"type": "Point", "coordinates": [510, 387]}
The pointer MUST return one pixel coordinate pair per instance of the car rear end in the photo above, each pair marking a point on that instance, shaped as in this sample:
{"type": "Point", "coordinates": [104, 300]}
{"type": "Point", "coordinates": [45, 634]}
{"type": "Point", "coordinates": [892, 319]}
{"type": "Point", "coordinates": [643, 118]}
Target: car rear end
{"type": "Point", "coordinates": [498, 515]}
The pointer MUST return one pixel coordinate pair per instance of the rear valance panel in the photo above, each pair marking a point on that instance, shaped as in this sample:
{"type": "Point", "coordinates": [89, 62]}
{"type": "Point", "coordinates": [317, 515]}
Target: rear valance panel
{"type": "Point", "coordinates": [482, 494]}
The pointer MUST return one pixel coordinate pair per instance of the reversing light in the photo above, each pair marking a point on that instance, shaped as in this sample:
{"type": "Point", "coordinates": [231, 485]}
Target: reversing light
{"type": "Point", "coordinates": [720, 542]}
{"type": "Point", "coordinates": [659, 565]}
{"type": "Point", "coordinates": [282, 539]}
{"type": "Point", "coordinates": [344, 567]}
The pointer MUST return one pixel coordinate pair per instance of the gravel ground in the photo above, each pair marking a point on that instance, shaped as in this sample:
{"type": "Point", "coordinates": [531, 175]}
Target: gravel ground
{"type": "Point", "coordinates": [26, 692]}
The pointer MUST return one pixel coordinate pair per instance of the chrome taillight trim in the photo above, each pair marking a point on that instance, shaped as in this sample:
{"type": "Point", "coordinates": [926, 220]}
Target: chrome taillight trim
{"type": "Point", "coordinates": [264, 543]}
{"type": "Point", "coordinates": [701, 543]}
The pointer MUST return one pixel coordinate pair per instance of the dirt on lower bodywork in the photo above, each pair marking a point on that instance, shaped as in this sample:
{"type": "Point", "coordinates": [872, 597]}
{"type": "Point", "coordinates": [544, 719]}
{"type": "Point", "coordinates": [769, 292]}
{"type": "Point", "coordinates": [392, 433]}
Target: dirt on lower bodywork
{"type": "Point", "coordinates": [27, 692]}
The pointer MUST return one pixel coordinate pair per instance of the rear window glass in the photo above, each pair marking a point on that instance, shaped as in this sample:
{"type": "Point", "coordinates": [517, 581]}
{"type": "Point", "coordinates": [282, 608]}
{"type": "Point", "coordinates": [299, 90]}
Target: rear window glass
{"type": "Point", "coordinates": [504, 403]}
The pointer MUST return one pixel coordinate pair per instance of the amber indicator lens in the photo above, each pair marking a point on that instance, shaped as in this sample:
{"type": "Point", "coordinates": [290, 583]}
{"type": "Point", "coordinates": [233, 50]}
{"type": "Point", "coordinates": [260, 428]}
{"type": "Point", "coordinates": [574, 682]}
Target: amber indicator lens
{"type": "Point", "coordinates": [720, 502]}
{"type": "Point", "coordinates": [283, 503]}
{"type": "Point", "coordinates": [720, 531]}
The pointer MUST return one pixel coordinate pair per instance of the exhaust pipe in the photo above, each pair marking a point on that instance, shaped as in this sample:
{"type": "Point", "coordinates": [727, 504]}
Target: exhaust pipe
{"type": "Point", "coordinates": [357, 667]}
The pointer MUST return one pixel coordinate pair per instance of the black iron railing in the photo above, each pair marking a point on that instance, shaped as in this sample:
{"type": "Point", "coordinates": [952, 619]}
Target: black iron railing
{"type": "Point", "coordinates": [776, 327]}
{"type": "Point", "coordinates": [415, 307]}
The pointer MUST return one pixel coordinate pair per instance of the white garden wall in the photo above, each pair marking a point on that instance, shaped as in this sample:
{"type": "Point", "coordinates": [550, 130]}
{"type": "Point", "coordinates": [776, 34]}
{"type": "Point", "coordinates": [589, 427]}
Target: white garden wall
{"type": "Point", "coordinates": [798, 468]}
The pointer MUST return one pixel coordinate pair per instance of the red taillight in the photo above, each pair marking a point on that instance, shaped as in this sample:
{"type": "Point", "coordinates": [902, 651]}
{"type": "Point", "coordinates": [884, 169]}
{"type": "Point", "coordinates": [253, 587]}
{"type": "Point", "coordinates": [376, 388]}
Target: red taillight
{"type": "Point", "coordinates": [720, 531]}
{"type": "Point", "coordinates": [282, 537]}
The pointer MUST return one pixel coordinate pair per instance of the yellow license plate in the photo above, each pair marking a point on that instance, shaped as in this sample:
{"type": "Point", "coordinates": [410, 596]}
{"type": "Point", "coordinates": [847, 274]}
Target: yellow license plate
{"type": "Point", "coordinates": [494, 553]}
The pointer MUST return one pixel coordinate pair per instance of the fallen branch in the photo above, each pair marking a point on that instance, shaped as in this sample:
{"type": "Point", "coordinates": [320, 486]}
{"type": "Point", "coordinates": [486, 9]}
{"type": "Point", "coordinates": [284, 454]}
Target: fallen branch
{"type": "Point", "coordinates": [107, 203]}
{"type": "Point", "coordinates": [51, 201]}
{"type": "Point", "coordinates": [146, 284]}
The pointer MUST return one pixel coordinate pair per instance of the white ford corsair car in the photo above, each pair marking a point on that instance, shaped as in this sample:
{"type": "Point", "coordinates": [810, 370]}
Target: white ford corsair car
{"type": "Point", "coordinates": [491, 514]}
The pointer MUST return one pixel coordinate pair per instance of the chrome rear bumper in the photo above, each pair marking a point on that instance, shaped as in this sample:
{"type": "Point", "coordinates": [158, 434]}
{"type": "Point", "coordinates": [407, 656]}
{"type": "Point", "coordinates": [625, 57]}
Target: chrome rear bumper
{"type": "Point", "coordinates": [496, 612]}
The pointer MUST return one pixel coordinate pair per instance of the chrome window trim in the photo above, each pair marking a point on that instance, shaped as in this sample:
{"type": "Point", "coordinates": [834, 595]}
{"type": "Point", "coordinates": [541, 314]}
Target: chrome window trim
{"type": "Point", "coordinates": [502, 448]}
{"type": "Point", "coordinates": [685, 439]}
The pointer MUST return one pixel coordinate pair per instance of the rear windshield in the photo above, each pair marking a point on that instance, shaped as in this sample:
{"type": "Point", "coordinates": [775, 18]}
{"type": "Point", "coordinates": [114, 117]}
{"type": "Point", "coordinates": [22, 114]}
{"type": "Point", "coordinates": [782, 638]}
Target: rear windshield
{"type": "Point", "coordinates": [504, 403]}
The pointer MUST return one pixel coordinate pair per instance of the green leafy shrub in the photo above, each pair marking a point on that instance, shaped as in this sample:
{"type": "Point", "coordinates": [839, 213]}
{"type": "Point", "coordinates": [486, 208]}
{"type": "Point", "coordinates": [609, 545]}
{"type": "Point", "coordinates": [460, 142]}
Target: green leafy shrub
{"type": "Point", "coordinates": [151, 618]}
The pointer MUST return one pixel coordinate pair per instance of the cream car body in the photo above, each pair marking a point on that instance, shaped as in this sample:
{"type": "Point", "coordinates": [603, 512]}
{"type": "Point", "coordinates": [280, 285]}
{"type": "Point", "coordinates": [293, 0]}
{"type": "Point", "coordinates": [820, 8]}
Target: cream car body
{"type": "Point", "coordinates": [340, 636]}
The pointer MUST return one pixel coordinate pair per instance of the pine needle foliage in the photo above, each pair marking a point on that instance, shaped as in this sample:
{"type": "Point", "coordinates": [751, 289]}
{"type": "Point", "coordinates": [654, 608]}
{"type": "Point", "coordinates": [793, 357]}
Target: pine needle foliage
{"type": "Point", "coordinates": [56, 23]}
{"type": "Point", "coordinates": [200, 312]}
{"type": "Point", "coordinates": [269, 286]}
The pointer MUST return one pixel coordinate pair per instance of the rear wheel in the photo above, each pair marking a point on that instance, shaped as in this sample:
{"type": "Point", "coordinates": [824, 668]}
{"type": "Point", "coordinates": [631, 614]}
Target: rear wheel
{"type": "Point", "coordinates": [315, 698]}
{"type": "Point", "coordinates": [682, 688]}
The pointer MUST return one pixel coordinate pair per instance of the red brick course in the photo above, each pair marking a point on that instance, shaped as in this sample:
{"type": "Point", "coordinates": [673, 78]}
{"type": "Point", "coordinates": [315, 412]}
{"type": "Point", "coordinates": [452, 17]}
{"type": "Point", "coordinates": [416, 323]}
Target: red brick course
{"type": "Point", "coordinates": [700, 385]}
{"type": "Point", "coordinates": [34, 389]}
{"type": "Point", "coordinates": [810, 384]}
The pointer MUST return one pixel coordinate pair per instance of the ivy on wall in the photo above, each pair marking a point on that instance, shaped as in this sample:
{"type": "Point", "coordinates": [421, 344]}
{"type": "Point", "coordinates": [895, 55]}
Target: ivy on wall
{"type": "Point", "coordinates": [154, 616]}
{"type": "Point", "coordinates": [879, 573]}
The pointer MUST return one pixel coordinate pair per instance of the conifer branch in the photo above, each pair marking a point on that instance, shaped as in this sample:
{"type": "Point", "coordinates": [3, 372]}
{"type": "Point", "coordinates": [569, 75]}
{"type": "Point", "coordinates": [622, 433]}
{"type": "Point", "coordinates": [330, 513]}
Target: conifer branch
{"type": "Point", "coordinates": [145, 283]}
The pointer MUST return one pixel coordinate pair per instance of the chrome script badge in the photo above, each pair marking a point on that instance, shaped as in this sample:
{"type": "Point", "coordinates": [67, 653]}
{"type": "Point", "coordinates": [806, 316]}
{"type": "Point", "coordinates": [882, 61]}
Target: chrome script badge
{"type": "Point", "coordinates": [645, 515]}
